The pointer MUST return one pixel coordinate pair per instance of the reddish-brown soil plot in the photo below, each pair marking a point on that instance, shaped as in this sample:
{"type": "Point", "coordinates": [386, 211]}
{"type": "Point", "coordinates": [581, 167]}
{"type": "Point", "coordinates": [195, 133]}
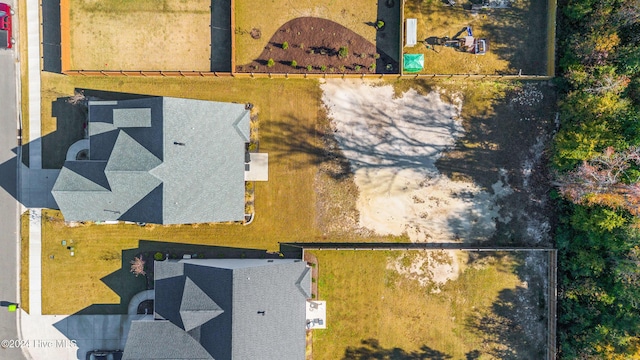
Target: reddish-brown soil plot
{"type": "Point", "coordinates": [316, 43]}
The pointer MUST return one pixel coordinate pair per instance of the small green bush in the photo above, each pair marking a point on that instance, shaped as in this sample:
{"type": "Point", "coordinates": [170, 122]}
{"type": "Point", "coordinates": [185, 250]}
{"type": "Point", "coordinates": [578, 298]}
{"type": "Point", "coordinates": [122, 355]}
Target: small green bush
{"type": "Point", "coordinates": [323, 68]}
{"type": "Point", "coordinates": [158, 256]}
{"type": "Point", "coordinates": [357, 68]}
{"type": "Point", "coordinates": [379, 24]}
{"type": "Point", "coordinates": [285, 45]}
{"type": "Point", "coordinates": [270, 63]}
{"type": "Point", "coordinates": [343, 69]}
{"type": "Point", "coordinates": [343, 52]}
{"type": "Point", "coordinates": [372, 67]}
{"type": "Point", "coordinates": [294, 64]}
{"type": "Point", "coordinates": [309, 67]}
{"type": "Point", "coordinates": [376, 56]}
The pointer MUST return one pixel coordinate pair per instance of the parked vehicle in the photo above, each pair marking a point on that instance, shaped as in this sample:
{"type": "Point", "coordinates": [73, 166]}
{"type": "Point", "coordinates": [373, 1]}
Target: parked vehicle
{"type": "Point", "coordinates": [6, 34]}
{"type": "Point", "coordinates": [104, 355]}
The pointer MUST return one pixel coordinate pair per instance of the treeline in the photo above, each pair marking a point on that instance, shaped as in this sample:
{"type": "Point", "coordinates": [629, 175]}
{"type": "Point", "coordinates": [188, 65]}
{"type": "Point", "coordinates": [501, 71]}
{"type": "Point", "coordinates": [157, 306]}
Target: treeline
{"type": "Point", "coordinates": [597, 160]}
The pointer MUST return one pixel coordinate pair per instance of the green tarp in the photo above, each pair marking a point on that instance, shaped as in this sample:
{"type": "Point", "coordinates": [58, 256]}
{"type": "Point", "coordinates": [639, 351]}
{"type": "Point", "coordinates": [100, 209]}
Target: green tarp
{"type": "Point", "coordinates": [413, 62]}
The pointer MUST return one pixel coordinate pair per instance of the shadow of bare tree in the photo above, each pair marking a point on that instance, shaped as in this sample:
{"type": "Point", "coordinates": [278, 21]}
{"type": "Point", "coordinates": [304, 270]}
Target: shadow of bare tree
{"type": "Point", "coordinates": [371, 350]}
{"type": "Point", "coordinates": [515, 326]}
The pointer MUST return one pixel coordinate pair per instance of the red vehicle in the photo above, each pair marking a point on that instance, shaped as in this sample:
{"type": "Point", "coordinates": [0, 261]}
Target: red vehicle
{"type": "Point", "coordinates": [6, 39]}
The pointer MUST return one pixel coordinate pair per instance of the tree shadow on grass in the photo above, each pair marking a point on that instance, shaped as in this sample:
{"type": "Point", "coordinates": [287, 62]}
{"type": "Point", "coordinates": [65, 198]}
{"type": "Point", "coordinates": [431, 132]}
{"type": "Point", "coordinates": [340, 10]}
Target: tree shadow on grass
{"type": "Point", "coordinates": [370, 349]}
{"type": "Point", "coordinates": [515, 326]}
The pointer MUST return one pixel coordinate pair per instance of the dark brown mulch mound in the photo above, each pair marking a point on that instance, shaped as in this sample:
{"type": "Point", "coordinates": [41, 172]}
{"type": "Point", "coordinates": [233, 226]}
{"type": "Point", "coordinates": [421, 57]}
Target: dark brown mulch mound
{"type": "Point", "coordinates": [317, 42]}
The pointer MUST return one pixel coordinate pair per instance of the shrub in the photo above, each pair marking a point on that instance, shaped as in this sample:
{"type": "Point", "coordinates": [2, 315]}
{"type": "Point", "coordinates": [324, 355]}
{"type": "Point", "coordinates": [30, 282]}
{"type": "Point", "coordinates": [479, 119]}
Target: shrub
{"type": "Point", "coordinates": [309, 67]}
{"type": "Point", "coordinates": [379, 24]}
{"type": "Point", "coordinates": [343, 68]}
{"type": "Point", "coordinates": [323, 68]}
{"type": "Point", "coordinates": [294, 64]}
{"type": "Point", "coordinates": [357, 68]}
{"type": "Point", "coordinates": [270, 63]}
{"type": "Point", "coordinates": [372, 67]}
{"type": "Point", "coordinates": [376, 56]}
{"type": "Point", "coordinates": [285, 45]}
{"type": "Point", "coordinates": [158, 256]}
{"type": "Point", "coordinates": [363, 55]}
{"type": "Point", "coordinates": [343, 52]}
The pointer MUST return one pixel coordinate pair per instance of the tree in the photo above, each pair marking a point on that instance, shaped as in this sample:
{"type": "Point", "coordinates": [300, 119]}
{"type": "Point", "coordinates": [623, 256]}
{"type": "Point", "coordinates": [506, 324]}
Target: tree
{"type": "Point", "coordinates": [285, 45]}
{"type": "Point", "coordinates": [270, 63]}
{"type": "Point", "coordinates": [294, 64]}
{"type": "Point", "coordinates": [605, 180]}
{"type": "Point", "coordinates": [137, 266]}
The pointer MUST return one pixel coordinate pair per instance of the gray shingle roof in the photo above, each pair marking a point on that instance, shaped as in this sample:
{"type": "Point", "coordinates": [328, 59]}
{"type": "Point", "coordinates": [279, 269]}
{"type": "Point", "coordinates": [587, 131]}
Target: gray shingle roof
{"type": "Point", "coordinates": [235, 308]}
{"type": "Point", "coordinates": [184, 157]}
{"type": "Point", "coordinates": [161, 340]}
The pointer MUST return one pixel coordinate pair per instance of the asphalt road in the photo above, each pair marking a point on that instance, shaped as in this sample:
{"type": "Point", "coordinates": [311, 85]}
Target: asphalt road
{"type": "Point", "coordinates": [9, 229]}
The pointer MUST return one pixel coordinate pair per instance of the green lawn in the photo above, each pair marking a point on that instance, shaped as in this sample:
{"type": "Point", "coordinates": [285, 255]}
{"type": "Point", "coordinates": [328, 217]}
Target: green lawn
{"type": "Point", "coordinates": [373, 311]}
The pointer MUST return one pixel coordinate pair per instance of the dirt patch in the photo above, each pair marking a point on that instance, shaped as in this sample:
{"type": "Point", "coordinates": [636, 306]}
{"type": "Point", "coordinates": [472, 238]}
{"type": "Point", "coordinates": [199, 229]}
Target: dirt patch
{"type": "Point", "coordinates": [392, 145]}
{"type": "Point", "coordinates": [268, 16]}
{"type": "Point", "coordinates": [431, 269]}
{"type": "Point", "coordinates": [319, 46]}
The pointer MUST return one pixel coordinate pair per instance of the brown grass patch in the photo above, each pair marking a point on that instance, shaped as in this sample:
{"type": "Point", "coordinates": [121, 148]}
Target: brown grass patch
{"type": "Point", "coordinates": [140, 35]}
{"type": "Point", "coordinates": [517, 37]}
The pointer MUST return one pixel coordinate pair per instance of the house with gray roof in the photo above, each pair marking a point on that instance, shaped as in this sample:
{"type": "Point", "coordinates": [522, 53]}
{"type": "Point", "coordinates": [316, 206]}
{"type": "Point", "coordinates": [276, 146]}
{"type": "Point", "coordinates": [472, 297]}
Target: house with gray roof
{"type": "Point", "coordinates": [225, 309]}
{"type": "Point", "coordinates": [158, 160]}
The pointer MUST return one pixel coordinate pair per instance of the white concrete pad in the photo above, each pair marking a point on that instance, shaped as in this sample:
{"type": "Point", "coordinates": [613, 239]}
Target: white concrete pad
{"type": "Point", "coordinates": [316, 314]}
{"type": "Point", "coordinates": [257, 169]}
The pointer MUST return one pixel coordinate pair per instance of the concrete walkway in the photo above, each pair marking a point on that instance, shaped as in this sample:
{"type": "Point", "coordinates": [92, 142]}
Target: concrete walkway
{"type": "Point", "coordinates": [34, 68]}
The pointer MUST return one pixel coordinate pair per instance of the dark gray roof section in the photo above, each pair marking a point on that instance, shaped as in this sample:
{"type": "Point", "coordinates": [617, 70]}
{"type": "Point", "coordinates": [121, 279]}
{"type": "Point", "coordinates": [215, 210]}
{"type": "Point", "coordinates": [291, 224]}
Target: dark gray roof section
{"type": "Point", "coordinates": [184, 157]}
{"type": "Point", "coordinates": [161, 340]}
{"type": "Point", "coordinates": [236, 308]}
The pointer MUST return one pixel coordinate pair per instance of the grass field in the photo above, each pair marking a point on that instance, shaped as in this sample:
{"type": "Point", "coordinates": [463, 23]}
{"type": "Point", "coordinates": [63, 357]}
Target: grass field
{"type": "Point", "coordinates": [24, 261]}
{"type": "Point", "coordinates": [375, 313]}
{"type": "Point", "coordinates": [285, 205]}
{"type": "Point", "coordinates": [269, 16]}
{"type": "Point", "coordinates": [517, 37]}
{"type": "Point", "coordinates": [140, 35]}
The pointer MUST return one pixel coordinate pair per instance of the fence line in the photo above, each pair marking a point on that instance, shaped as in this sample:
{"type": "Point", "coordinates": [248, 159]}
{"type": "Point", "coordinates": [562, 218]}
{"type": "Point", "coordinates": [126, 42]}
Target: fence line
{"type": "Point", "coordinates": [552, 303]}
{"type": "Point", "coordinates": [233, 37]}
{"type": "Point", "coordinates": [65, 35]}
{"type": "Point", "coordinates": [405, 246]}
{"type": "Point", "coordinates": [551, 37]}
{"type": "Point", "coordinates": [160, 73]}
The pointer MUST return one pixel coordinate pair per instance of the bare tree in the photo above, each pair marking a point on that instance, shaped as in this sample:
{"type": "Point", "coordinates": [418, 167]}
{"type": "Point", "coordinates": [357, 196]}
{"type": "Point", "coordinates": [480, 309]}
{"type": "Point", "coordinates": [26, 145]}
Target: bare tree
{"type": "Point", "coordinates": [137, 266]}
{"type": "Point", "coordinates": [77, 98]}
{"type": "Point", "coordinates": [604, 180]}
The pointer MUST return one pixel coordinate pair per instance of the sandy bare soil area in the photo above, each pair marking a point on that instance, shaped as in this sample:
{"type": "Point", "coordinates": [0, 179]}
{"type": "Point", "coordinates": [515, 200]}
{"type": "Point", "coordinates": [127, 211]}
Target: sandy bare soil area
{"type": "Point", "coordinates": [392, 145]}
